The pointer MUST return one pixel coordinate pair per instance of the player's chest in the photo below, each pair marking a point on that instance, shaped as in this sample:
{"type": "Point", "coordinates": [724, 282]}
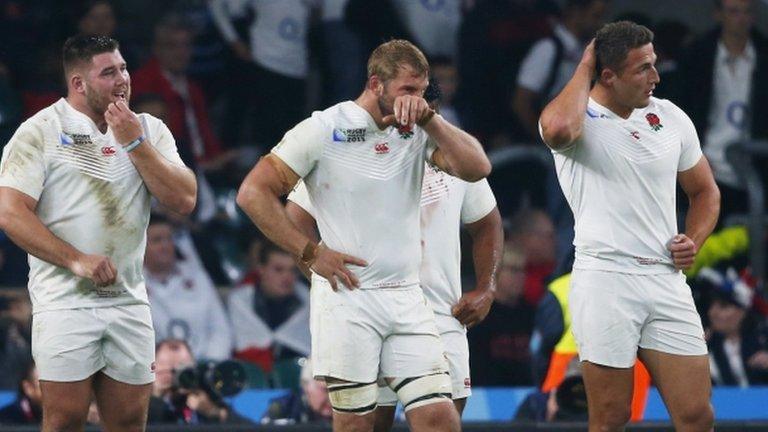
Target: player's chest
{"type": "Point", "coordinates": [78, 152]}
{"type": "Point", "coordinates": [633, 145]}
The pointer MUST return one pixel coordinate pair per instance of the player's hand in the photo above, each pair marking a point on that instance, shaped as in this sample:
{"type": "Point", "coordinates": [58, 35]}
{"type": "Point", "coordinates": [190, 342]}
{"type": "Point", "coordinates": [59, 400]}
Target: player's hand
{"type": "Point", "coordinates": [99, 269]}
{"type": "Point", "coordinates": [123, 122]}
{"type": "Point", "coordinates": [683, 251]}
{"type": "Point", "coordinates": [408, 110]}
{"type": "Point", "coordinates": [473, 307]}
{"type": "Point", "coordinates": [589, 58]}
{"type": "Point", "coordinates": [331, 265]}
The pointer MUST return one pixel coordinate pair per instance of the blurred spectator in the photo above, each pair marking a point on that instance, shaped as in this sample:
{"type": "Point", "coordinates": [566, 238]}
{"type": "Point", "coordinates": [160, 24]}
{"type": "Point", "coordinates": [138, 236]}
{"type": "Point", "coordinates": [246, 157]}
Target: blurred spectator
{"type": "Point", "coordinates": [185, 304]}
{"type": "Point", "coordinates": [46, 85]}
{"type": "Point", "coordinates": [551, 61]}
{"type": "Point", "coordinates": [14, 267]}
{"type": "Point", "coordinates": [738, 352]}
{"type": "Point", "coordinates": [96, 18]}
{"type": "Point", "coordinates": [493, 37]}
{"type": "Point", "coordinates": [253, 261]}
{"type": "Point", "coordinates": [270, 318]}
{"type": "Point", "coordinates": [343, 56]}
{"type": "Point", "coordinates": [670, 38]}
{"type": "Point", "coordinates": [309, 405]}
{"type": "Point", "coordinates": [499, 346]}
{"type": "Point", "coordinates": [567, 402]}
{"type": "Point", "coordinates": [27, 408]}
{"type": "Point", "coordinates": [166, 75]}
{"type": "Point", "coordinates": [277, 62]}
{"type": "Point", "coordinates": [171, 404]}
{"type": "Point", "coordinates": [433, 24]}
{"type": "Point", "coordinates": [15, 337]}
{"type": "Point", "coordinates": [10, 106]}
{"type": "Point", "coordinates": [532, 231]}
{"type": "Point", "coordinates": [723, 89]}
{"type": "Point", "coordinates": [446, 75]}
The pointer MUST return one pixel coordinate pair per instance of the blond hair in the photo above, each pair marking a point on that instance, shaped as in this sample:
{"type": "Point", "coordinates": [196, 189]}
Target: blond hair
{"type": "Point", "coordinates": [388, 57]}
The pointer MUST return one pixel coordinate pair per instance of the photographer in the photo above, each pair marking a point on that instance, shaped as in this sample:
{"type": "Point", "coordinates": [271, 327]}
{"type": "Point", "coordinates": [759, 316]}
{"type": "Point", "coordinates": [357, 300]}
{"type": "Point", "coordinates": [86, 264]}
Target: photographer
{"type": "Point", "coordinates": [172, 404]}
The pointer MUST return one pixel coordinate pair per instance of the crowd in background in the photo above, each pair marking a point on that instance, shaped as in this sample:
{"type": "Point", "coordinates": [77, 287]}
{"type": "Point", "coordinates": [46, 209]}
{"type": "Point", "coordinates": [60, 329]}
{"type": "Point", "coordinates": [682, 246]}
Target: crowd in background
{"type": "Point", "coordinates": [229, 77]}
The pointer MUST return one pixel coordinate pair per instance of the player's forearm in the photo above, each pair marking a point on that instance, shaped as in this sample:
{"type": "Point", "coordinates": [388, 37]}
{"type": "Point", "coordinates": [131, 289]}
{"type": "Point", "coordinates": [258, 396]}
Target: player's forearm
{"type": "Point", "coordinates": [487, 249]}
{"type": "Point", "coordinates": [462, 152]}
{"type": "Point", "coordinates": [29, 233]}
{"type": "Point", "coordinates": [703, 211]}
{"type": "Point", "coordinates": [173, 185]}
{"type": "Point", "coordinates": [264, 208]}
{"type": "Point", "coordinates": [562, 119]}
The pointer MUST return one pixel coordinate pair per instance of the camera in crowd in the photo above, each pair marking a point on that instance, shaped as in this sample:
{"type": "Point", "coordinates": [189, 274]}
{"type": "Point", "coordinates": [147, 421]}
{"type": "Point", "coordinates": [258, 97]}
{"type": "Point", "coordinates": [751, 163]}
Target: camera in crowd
{"type": "Point", "coordinates": [218, 380]}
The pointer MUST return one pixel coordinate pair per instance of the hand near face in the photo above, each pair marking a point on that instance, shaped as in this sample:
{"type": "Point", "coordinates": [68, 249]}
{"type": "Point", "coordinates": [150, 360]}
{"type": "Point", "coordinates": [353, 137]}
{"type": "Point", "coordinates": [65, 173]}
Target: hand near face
{"type": "Point", "coordinates": [123, 122]}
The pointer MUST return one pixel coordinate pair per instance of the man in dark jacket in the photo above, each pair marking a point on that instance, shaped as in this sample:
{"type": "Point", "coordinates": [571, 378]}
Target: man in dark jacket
{"type": "Point", "coordinates": [723, 91]}
{"type": "Point", "coordinates": [27, 408]}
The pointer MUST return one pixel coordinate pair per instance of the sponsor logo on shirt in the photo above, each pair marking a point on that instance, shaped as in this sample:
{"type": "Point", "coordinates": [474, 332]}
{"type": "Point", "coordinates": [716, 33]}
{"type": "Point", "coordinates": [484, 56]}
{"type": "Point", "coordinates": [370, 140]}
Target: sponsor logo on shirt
{"type": "Point", "coordinates": [381, 148]}
{"type": "Point", "coordinates": [635, 135]}
{"type": "Point", "coordinates": [108, 151]}
{"type": "Point", "coordinates": [349, 135]}
{"type": "Point", "coordinates": [594, 114]}
{"type": "Point", "coordinates": [68, 139]}
{"type": "Point", "coordinates": [648, 261]}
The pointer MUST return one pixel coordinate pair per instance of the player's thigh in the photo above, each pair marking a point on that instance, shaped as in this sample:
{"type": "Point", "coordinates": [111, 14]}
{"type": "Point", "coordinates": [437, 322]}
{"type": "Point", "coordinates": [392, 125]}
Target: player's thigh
{"type": "Point", "coordinates": [607, 316]}
{"type": "Point", "coordinates": [456, 346]}
{"type": "Point", "coordinates": [346, 337]}
{"type": "Point", "coordinates": [66, 344]}
{"type": "Point", "coordinates": [65, 404]}
{"type": "Point", "coordinates": [122, 406]}
{"type": "Point", "coordinates": [414, 347]}
{"type": "Point", "coordinates": [683, 381]}
{"type": "Point", "coordinates": [609, 392]}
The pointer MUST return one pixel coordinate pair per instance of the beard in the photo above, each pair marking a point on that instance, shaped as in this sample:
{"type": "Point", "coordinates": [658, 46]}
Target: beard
{"type": "Point", "coordinates": [98, 102]}
{"type": "Point", "coordinates": [386, 104]}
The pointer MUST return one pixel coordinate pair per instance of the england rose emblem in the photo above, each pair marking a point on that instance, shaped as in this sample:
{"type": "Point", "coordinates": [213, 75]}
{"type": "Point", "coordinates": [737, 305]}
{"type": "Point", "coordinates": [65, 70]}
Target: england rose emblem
{"type": "Point", "coordinates": [654, 121]}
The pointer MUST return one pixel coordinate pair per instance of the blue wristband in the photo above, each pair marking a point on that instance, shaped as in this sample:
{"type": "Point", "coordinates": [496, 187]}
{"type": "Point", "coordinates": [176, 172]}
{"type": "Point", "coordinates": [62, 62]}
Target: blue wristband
{"type": "Point", "coordinates": [133, 144]}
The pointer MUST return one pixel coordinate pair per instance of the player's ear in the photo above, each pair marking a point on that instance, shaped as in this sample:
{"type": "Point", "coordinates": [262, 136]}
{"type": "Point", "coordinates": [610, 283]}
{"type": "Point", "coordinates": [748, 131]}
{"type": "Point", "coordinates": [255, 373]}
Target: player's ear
{"type": "Point", "coordinates": [76, 82]}
{"type": "Point", "coordinates": [607, 77]}
{"type": "Point", "coordinates": [376, 85]}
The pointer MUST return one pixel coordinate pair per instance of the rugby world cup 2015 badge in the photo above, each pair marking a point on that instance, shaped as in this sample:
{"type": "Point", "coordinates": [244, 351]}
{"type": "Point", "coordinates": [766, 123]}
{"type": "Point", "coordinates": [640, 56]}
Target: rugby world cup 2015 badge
{"type": "Point", "coordinates": [68, 139]}
{"type": "Point", "coordinates": [349, 135]}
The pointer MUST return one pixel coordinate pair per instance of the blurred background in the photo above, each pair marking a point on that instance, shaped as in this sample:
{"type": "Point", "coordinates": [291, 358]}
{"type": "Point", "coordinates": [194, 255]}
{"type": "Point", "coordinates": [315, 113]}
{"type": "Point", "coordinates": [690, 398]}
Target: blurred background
{"type": "Point", "coordinates": [229, 77]}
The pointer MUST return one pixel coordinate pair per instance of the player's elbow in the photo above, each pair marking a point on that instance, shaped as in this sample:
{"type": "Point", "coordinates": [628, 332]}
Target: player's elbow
{"type": "Point", "coordinates": [247, 195]}
{"type": "Point", "coordinates": [479, 172]}
{"type": "Point", "coordinates": [186, 204]}
{"type": "Point", "coordinates": [559, 133]}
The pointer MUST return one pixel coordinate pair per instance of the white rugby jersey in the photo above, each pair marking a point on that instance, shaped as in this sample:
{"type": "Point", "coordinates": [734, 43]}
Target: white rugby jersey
{"type": "Point", "coordinates": [620, 179]}
{"type": "Point", "coordinates": [186, 306]}
{"type": "Point", "coordinates": [364, 184]}
{"type": "Point", "coordinates": [446, 203]}
{"type": "Point", "coordinates": [88, 194]}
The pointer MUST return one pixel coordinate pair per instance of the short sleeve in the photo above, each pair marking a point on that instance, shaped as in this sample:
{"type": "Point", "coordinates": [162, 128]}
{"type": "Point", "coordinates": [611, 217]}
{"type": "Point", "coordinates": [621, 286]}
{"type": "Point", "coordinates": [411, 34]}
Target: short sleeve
{"type": "Point", "coordinates": [23, 163]}
{"type": "Point", "coordinates": [536, 66]}
{"type": "Point", "coordinates": [478, 202]}
{"type": "Point", "coordinates": [300, 196]}
{"type": "Point", "coordinates": [690, 153]}
{"type": "Point", "coordinates": [302, 146]}
{"type": "Point", "coordinates": [162, 139]}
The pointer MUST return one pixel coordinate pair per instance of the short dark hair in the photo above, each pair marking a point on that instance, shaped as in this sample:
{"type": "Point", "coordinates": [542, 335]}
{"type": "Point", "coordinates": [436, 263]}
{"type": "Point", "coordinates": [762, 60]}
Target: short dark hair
{"type": "Point", "coordinates": [81, 49]}
{"type": "Point", "coordinates": [614, 41]}
{"type": "Point", "coordinates": [269, 249]}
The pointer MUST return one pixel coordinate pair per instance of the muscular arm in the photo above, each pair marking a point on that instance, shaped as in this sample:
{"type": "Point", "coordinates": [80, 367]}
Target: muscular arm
{"type": "Point", "coordinates": [487, 248]}
{"type": "Point", "coordinates": [306, 224]}
{"type": "Point", "coordinates": [173, 185]}
{"type": "Point", "coordinates": [19, 221]}
{"type": "Point", "coordinates": [458, 153]}
{"type": "Point", "coordinates": [704, 201]}
{"type": "Point", "coordinates": [259, 197]}
{"type": "Point", "coordinates": [561, 120]}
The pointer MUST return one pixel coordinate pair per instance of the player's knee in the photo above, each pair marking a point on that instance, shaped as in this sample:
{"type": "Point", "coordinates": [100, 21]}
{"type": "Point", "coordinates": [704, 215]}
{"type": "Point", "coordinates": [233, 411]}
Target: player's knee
{"type": "Point", "coordinates": [698, 416]}
{"type": "Point", "coordinates": [64, 421]}
{"type": "Point", "coordinates": [353, 398]}
{"type": "Point", "coordinates": [416, 392]}
{"type": "Point", "coordinates": [610, 414]}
